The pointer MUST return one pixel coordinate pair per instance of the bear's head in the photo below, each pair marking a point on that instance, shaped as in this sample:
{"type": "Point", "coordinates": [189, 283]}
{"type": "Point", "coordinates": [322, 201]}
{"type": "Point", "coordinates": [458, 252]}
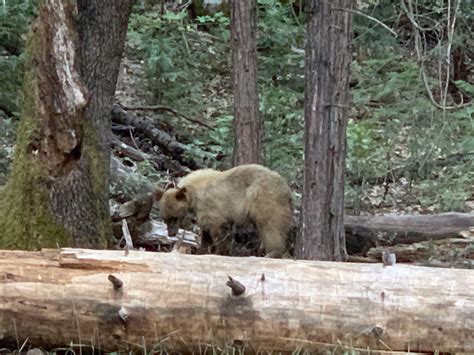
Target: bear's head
{"type": "Point", "coordinates": [173, 207]}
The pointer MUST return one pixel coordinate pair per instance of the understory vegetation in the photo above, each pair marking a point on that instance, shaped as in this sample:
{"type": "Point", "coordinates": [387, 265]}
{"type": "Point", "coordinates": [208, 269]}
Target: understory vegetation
{"type": "Point", "coordinates": [405, 150]}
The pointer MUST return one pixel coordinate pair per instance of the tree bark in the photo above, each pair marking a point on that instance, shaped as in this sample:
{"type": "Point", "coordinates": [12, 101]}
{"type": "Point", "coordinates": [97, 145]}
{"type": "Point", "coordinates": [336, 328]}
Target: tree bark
{"type": "Point", "coordinates": [328, 58]}
{"type": "Point", "coordinates": [58, 189]}
{"type": "Point", "coordinates": [180, 302]}
{"type": "Point", "coordinates": [365, 232]}
{"type": "Point", "coordinates": [247, 126]}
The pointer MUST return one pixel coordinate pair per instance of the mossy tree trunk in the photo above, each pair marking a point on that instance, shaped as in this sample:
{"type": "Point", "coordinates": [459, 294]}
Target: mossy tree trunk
{"type": "Point", "coordinates": [328, 58]}
{"type": "Point", "coordinates": [57, 193]}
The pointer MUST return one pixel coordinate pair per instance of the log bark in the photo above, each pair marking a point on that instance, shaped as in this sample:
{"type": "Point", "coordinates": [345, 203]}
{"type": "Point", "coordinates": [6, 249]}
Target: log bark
{"type": "Point", "coordinates": [182, 303]}
{"type": "Point", "coordinates": [365, 232]}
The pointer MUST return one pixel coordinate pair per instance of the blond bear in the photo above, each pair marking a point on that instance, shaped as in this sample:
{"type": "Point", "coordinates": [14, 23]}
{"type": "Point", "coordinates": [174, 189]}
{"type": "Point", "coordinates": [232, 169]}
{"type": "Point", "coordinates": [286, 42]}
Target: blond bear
{"type": "Point", "coordinates": [245, 194]}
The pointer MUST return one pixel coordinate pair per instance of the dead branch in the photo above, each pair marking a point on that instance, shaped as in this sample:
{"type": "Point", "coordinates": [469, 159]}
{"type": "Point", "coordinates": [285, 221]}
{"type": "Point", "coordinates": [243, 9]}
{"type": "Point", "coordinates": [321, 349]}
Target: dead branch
{"type": "Point", "coordinates": [371, 18]}
{"type": "Point", "coordinates": [420, 55]}
{"type": "Point", "coordinates": [167, 109]}
{"type": "Point", "coordinates": [162, 139]}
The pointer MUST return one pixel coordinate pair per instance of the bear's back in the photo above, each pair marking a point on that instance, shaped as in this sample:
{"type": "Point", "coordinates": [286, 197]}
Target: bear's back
{"type": "Point", "coordinates": [244, 176]}
{"type": "Point", "coordinates": [200, 178]}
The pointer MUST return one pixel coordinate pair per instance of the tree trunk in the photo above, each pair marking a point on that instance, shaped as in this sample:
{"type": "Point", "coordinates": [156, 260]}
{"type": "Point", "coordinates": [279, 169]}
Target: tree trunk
{"type": "Point", "coordinates": [181, 302]}
{"type": "Point", "coordinates": [365, 232]}
{"type": "Point", "coordinates": [328, 58]}
{"type": "Point", "coordinates": [247, 126]}
{"type": "Point", "coordinates": [58, 189]}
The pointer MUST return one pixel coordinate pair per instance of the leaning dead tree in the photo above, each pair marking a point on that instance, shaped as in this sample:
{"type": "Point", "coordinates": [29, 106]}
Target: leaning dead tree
{"type": "Point", "coordinates": [109, 301]}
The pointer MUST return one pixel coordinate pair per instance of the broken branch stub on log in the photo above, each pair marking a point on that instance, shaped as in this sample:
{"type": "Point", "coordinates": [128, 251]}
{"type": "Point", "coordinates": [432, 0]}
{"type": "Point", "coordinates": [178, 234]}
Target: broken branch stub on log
{"type": "Point", "coordinates": [181, 302]}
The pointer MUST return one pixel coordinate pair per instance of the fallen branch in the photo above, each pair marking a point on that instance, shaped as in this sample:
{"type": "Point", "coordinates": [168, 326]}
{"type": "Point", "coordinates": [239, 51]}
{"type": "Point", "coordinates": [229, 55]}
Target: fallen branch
{"type": "Point", "coordinates": [371, 18]}
{"type": "Point", "coordinates": [168, 144]}
{"type": "Point", "coordinates": [177, 302]}
{"type": "Point", "coordinates": [167, 109]}
{"type": "Point", "coordinates": [126, 150]}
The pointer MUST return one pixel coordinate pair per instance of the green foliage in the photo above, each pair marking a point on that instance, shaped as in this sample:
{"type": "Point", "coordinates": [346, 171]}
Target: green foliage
{"type": "Point", "coordinates": [11, 78]}
{"type": "Point", "coordinates": [468, 88]}
{"type": "Point", "coordinates": [282, 115]}
{"type": "Point", "coordinates": [179, 56]}
{"type": "Point", "coordinates": [365, 146]}
{"type": "Point", "coordinates": [280, 46]}
{"type": "Point", "coordinates": [281, 68]}
{"type": "Point", "coordinates": [15, 17]}
{"type": "Point", "coordinates": [218, 18]}
{"type": "Point", "coordinates": [222, 137]}
{"type": "Point", "coordinates": [402, 131]}
{"type": "Point", "coordinates": [451, 185]}
{"type": "Point", "coordinates": [7, 138]}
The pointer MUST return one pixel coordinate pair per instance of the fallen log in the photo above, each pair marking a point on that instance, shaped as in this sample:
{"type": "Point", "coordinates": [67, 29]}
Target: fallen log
{"type": "Point", "coordinates": [167, 143]}
{"type": "Point", "coordinates": [168, 109]}
{"type": "Point", "coordinates": [365, 232]}
{"type": "Point", "coordinates": [451, 252]}
{"type": "Point", "coordinates": [171, 301]}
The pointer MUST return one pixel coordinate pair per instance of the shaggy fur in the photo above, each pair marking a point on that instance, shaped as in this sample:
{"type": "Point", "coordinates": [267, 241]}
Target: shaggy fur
{"type": "Point", "coordinates": [245, 194]}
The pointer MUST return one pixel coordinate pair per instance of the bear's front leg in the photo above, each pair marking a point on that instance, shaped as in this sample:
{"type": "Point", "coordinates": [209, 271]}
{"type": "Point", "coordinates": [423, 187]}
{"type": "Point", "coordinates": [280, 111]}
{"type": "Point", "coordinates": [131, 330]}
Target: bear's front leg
{"type": "Point", "coordinates": [220, 240]}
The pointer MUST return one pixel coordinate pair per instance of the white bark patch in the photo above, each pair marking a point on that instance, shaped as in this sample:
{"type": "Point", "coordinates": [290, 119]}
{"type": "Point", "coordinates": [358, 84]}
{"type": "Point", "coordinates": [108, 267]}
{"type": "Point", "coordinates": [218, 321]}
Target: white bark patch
{"type": "Point", "coordinates": [64, 54]}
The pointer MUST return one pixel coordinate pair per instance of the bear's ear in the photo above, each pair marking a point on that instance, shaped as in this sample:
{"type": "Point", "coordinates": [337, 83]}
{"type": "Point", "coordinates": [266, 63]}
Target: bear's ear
{"type": "Point", "coordinates": [158, 194]}
{"type": "Point", "coordinates": [181, 194]}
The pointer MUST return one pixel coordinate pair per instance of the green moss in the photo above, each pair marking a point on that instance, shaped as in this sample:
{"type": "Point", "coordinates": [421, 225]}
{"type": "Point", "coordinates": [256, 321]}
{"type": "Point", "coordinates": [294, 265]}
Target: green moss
{"type": "Point", "coordinates": [98, 171]}
{"type": "Point", "coordinates": [25, 218]}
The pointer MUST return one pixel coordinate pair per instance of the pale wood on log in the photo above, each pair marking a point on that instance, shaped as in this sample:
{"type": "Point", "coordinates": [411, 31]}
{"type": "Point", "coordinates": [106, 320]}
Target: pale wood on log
{"type": "Point", "coordinates": [182, 302]}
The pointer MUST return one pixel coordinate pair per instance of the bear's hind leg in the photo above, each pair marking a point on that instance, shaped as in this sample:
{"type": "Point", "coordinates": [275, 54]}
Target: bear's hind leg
{"type": "Point", "coordinates": [273, 239]}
